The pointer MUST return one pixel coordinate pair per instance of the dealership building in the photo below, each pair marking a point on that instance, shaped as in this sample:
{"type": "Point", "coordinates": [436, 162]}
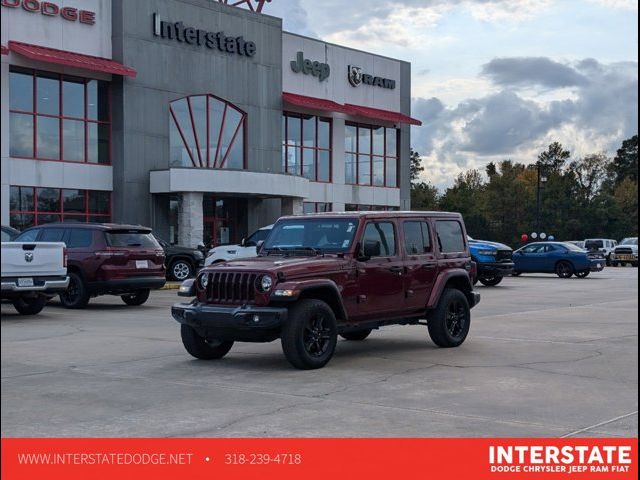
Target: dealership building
{"type": "Point", "coordinates": [202, 120]}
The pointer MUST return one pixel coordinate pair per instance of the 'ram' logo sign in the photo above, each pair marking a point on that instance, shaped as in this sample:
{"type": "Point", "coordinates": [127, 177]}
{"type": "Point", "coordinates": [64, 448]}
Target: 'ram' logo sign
{"type": "Point", "coordinates": [357, 77]}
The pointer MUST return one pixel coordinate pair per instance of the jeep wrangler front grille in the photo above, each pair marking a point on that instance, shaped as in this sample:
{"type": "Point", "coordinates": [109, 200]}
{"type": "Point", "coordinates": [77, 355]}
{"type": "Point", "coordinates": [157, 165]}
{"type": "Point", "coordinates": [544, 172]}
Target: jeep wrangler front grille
{"type": "Point", "coordinates": [231, 287]}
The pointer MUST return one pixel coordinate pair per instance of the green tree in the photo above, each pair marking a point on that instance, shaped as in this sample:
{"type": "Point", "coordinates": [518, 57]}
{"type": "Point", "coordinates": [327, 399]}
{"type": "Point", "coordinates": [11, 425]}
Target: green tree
{"type": "Point", "coordinates": [415, 166]}
{"type": "Point", "coordinates": [424, 196]}
{"type": "Point", "coordinates": [625, 163]}
{"type": "Point", "coordinates": [553, 158]}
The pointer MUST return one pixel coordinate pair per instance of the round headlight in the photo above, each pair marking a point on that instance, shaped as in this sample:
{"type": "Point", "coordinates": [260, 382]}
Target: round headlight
{"type": "Point", "coordinates": [265, 283]}
{"type": "Point", "coordinates": [204, 280]}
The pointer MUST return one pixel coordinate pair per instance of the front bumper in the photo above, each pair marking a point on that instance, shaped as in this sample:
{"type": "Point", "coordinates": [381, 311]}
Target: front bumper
{"type": "Point", "coordinates": [46, 285]}
{"type": "Point", "coordinates": [598, 266]}
{"type": "Point", "coordinates": [475, 299]}
{"type": "Point", "coordinates": [624, 257]}
{"type": "Point", "coordinates": [244, 323]}
{"type": "Point", "coordinates": [501, 269]}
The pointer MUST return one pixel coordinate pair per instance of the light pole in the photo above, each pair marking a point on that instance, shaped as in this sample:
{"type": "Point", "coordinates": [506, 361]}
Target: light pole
{"type": "Point", "coordinates": [542, 179]}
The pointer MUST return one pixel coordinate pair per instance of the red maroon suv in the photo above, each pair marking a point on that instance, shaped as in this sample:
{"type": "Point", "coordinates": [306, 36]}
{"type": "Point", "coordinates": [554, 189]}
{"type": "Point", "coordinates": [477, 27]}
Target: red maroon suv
{"type": "Point", "coordinates": [105, 259]}
{"type": "Point", "coordinates": [320, 276]}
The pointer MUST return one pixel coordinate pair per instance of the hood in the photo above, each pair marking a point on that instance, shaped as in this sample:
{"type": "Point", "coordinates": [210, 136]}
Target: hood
{"type": "Point", "coordinates": [290, 266]}
{"type": "Point", "coordinates": [484, 244]}
{"type": "Point", "coordinates": [220, 248]}
{"type": "Point", "coordinates": [634, 248]}
{"type": "Point", "coordinates": [178, 249]}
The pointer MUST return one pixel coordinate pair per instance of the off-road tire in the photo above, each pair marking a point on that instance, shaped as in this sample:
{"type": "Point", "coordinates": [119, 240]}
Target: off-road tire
{"type": "Point", "coordinates": [516, 274]}
{"type": "Point", "coordinates": [445, 330]}
{"type": "Point", "coordinates": [180, 270]}
{"type": "Point", "coordinates": [564, 269]}
{"type": "Point", "coordinates": [357, 335]}
{"type": "Point", "coordinates": [582, 274]}
{"type": "Point", "coordinates": [136, 298]}
{"type": "Point", "coordinates": [77, 296]}
{"type": "Point", "coordinates": [31, 306]}
{"type": "Point", "coordinates": [490, 281]}
{"type": "Point", "coordinates": [200, 348]}
{"type": "Point", "coordinates": [615, 264]}
{"type": "Point", "coordinates": [309, 335]}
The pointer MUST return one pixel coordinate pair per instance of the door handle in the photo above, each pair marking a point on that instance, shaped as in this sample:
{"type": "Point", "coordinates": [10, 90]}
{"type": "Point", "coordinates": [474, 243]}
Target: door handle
{"type": "Point", "coordinates": [397, 270]}
{"type": "Point", "coordinates": [429, 266]}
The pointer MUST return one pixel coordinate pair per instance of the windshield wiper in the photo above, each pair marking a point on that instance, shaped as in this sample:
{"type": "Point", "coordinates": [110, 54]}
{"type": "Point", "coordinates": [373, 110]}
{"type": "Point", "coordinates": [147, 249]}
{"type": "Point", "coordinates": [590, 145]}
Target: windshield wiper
{"type": "Point", "coordinates": [288, 251]}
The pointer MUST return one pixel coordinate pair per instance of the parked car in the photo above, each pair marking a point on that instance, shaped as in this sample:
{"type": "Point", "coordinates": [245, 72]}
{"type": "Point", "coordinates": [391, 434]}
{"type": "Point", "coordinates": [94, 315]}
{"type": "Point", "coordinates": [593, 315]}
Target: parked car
{"type": "Point", "coordinates": [181, 262]}
{"type": "Point", "coordinates": [32, 273]}
{"type": "Point", "coordinates": [105, 259]}
{"type": "Point", "coordinates": [602, 245]}
{"type": "Point", "coordinates": [246, 249]}
{"type": "Point", "coordinates": [323, 275]}
{"type": "Point", "coordinates": [577, 243]}
{"type": "Point", "coordinates": [626, 252]}
{"type": "Point", "coordinates": [562, 258]}
{"type": "Point", "coordinates": [9, 233]}
{"type": "Point", "coordinates": [494, 261]}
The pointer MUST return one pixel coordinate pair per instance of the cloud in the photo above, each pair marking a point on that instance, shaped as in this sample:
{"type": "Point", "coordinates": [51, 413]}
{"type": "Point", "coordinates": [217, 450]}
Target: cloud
{"type": "Point", "coordinates": [508, 124]}
{"type": "Point", "coordinates": [531, 71]}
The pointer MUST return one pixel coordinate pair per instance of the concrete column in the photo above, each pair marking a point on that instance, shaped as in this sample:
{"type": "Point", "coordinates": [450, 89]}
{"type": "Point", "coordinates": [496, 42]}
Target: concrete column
{"type": "Point", "coordinates": [190, 219]}
{"type": "Point", "coordinates": [337, 160]}
{"type": "Point", "coordinates": [292, 206]}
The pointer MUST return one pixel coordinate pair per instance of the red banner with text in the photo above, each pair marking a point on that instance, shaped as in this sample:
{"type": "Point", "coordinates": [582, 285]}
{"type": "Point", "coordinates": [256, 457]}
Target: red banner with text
{"type": "Point", "coordinates": [319, 458]}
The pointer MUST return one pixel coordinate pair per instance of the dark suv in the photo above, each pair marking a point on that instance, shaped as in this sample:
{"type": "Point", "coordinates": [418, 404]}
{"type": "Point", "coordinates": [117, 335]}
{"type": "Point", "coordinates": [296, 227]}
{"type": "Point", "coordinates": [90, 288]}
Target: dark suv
{"type": "Point", "coordinates": [320, 276]}
{"type": "Point", "coordinates": [105, 259]}
{"type": "Point", "coordinates": [181, 262]}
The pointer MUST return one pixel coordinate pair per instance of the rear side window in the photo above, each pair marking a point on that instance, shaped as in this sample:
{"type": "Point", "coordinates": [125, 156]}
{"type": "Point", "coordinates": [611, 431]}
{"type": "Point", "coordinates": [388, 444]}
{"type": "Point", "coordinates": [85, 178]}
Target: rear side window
{"type": "Point", "coordinates": [79, 238]}
{"type": "Point", "coordinates": [416, 238]}
{"type": "Point", "coordinates": [131, 238]}
{"type": "Point", "coordinates": [52, 235]}
{"type": "Point", "coordinates": [382, 232]}
{"type": "Point", "coordinates": [450, 237]}
{"type": "Point", "coordinates": [28, 236]}
{"type": "Point", "coordinates": [591, 244]}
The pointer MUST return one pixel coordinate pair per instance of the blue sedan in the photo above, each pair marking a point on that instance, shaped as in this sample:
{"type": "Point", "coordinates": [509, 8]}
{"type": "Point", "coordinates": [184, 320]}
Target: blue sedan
{"type": "Point", "coordinates": [562, 258]}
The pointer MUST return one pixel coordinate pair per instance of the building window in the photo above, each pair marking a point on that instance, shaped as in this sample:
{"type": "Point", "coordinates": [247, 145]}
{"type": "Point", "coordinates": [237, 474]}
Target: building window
{"type": "Point", "coordinates": [207, 132]}
{"type": "Point", "coordinates": [306, 146]}
{"type": "Point", "coordinates": [58, 117]}
{"type": "Point", "coordinates": [316, 207]}
{"type": "Point", "coordinates": [371, 155]}
{"type": "Point", "coordinates": [353, 207]}
{"type": "Point", "coordinates": [29, 206]}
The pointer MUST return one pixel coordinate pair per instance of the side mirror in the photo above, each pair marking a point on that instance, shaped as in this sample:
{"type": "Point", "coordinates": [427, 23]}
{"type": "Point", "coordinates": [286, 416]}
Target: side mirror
{"type": "Point", "coordinates": [259, 246]}
{"type": "Point", "coordinates": [370, 248]}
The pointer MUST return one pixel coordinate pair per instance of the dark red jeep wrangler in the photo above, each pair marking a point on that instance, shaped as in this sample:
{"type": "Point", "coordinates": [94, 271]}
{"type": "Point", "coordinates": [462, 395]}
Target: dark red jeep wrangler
{"type": "Point", "coordinates": [320, 276]}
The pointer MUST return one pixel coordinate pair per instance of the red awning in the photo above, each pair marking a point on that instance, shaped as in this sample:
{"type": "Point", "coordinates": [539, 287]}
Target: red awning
{"type": "Point", "coordinates": [314, 103]}
{"type": "Point", "coordinates": [386, 115]}
{"type": "Point", "coordinates": [71, 59]}
{"type": "Point", "coordinates": [4, 50]}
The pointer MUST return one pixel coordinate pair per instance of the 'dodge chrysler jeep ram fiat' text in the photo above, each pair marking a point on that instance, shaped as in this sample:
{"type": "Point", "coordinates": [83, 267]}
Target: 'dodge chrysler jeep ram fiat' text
{"type": "Point", "coordinates": [320, 276]}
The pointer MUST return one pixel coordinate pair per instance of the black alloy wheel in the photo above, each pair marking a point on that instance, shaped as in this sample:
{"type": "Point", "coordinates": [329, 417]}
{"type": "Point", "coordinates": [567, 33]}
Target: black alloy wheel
{"type": "Point", "coordinates": [309, 335]}
{"type": "Point", "coordinates": [317, 335]}
{"type": "Point", "coordinates": [491, 281]}
{"type": "Point", "coordinates": [449, 322]}
{"type": "Point", "coordinates": [76, 295]}
{"type": "Point", "coordinates": [564, 269]}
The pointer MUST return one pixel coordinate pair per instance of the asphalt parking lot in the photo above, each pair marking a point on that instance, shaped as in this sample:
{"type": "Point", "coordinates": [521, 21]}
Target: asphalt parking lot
{"type": "Point", "coordinates": [545, 357]}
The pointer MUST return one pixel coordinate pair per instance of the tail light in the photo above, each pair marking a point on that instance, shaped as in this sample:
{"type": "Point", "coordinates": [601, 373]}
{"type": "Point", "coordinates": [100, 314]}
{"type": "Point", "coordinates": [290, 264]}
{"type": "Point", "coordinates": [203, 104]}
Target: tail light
{"type": "Point", "coordinates": [64, 257]}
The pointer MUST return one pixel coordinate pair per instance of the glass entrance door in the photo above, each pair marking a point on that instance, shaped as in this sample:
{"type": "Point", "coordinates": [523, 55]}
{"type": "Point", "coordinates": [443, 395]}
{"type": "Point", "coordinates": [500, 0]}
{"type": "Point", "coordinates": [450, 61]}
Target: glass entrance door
{"type": "Point", "coordinates": [221, 220]}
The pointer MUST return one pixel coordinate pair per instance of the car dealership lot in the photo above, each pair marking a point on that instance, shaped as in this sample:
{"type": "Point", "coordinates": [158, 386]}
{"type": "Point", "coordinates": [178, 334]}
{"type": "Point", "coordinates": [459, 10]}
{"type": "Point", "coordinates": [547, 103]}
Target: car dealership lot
{"type": "Point", "coordinates": [545, 357]}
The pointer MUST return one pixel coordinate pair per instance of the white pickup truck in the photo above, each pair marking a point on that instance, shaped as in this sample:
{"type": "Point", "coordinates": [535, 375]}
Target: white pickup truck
{"type": "Point", "coordinates": [32, 273]}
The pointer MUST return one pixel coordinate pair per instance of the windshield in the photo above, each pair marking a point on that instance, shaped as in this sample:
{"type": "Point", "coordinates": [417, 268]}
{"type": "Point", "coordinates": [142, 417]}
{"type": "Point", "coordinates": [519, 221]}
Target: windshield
{"type": "Point", "coordinates": [313, 234]}
{"type": "Point", "coordinates": [258, 236]}
{"type": "Point", "coordinates": [630, 241]}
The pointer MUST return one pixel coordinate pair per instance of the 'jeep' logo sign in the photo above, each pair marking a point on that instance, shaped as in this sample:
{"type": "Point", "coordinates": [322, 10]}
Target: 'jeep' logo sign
{"type": "Point", "coordinates": [317, 69]}
{"type": "Point", "coordinates": [357, 77]}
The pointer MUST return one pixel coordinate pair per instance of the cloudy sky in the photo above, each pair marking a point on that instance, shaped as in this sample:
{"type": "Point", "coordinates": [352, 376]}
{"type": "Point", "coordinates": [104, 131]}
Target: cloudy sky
{"type": "Point", "coordinates": [496, 79]}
